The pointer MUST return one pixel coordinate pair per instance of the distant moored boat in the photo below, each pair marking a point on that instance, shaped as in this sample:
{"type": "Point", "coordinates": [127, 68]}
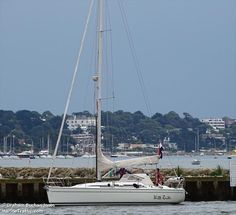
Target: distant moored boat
{"type": "Point", "coordinates": [196, 162]}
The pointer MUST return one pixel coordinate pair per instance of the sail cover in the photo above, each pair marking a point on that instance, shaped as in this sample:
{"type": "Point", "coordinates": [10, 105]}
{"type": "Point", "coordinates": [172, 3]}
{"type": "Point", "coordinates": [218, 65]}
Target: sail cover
{"type": "Point", "coordinates": [105, 164]}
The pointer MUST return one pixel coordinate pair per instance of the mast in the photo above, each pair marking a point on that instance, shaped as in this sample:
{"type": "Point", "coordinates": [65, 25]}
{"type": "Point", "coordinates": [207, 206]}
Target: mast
{"type": "Point", "coordinates": [98, 88]}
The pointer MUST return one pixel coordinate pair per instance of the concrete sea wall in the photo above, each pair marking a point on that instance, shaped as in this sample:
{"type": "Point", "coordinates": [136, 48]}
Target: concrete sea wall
{"type": "Point", "coordinates": [209, 189]}
{"type": "Point", "coordinates": [198, 189]}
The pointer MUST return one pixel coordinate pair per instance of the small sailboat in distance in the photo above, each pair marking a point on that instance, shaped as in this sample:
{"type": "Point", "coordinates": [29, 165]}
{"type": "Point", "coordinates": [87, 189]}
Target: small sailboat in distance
{"type": "Point", "coordinates": [130, 188]}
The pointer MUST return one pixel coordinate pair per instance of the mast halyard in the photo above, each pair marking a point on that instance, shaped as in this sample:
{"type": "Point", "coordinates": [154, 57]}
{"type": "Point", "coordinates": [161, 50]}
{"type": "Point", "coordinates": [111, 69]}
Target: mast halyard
{"type": "Point", "coordinates": [98, 89]}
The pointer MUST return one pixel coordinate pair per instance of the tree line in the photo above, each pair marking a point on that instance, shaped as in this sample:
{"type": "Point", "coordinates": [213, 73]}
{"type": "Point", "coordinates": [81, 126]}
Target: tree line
{"type": "Point", "coordinates": [30, 128]}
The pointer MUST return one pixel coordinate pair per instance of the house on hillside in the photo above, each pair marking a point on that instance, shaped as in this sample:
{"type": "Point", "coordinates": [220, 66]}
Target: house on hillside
{"type": "Point", "coordinates": [73, 122]}
{"type": "Point", "coordinates": [216, 123]}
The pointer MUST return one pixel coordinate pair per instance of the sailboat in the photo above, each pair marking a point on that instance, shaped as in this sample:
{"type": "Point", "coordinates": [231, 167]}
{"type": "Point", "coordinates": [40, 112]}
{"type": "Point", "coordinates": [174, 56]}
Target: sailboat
{"type": "Point", "coordinates": [130, 188]}
{"type": "Point", "coordinates": [45, 153]}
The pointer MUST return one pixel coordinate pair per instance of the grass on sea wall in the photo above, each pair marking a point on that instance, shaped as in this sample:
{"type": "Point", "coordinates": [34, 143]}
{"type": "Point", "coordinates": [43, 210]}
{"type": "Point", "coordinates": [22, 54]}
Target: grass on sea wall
{"type": "Point", "coordinates": [218, 171]}
{"type": "Point", "coordinates": [15, 173]}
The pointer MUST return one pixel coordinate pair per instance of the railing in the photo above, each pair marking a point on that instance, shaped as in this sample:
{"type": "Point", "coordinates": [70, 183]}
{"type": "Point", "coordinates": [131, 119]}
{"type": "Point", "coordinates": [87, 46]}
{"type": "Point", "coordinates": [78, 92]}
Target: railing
{"type": "Point", "coordinates": [175, 182]}
{"type": "Point", "coordinates": [54, 181]}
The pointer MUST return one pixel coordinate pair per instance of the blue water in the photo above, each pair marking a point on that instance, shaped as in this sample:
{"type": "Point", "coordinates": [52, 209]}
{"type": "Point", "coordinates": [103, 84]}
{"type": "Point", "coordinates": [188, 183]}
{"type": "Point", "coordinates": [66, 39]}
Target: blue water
{"type": "Point", "coordinates": [186, 208]}
{"type": "Point", "coordinates": [166, 162]}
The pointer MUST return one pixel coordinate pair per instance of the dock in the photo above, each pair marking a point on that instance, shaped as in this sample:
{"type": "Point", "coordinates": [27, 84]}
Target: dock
{"type": "Point", "coordinates": [215, 188]}
{"type": "Point", "coordinates": [197, 188]}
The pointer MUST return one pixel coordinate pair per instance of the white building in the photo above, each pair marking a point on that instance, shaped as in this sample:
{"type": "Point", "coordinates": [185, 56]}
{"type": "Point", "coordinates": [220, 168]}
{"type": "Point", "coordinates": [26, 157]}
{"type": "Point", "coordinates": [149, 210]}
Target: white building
{"type": "Point", "coordinates": [216, 123]}
{"type": "Point", "coordinates": [169, 145]}
{"type": "Point", "coordinates": [73, 122]}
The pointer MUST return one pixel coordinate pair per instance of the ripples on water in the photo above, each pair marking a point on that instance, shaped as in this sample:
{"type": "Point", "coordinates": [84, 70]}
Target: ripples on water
{"type": "Point", "coordinates": [186, 208]}
{"type": "Point", "coordinates": [166, 162]}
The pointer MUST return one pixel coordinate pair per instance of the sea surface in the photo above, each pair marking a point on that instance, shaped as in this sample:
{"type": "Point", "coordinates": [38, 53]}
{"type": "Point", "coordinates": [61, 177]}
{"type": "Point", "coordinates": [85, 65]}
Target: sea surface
{"type": "Point", "coordinates": [185, 208]}
{"type": "Point", "coordinates": [166, 162]}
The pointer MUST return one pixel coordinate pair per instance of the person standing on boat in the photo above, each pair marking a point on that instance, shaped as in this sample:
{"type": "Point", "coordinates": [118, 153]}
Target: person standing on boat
{"type": "Point", "coordinates": [159, 179]}
{"type": "Point", "coordinates": [159, 150]}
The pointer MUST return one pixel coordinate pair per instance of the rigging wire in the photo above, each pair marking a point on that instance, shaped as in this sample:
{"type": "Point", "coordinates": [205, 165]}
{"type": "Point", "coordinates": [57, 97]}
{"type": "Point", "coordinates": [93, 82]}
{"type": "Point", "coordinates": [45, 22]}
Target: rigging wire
{"type": "Point", "coordinates": [136, 61]}
{"type": "Point", "coordinates": [91, 72]}
{"type": "Point", "coordinates": [71, 88]}
{"type": "Point", "coordinates": [134, 56]}
{"type": "Point", "coordinates": [112, 61]}
{"type": "Point", "coordinates": [109, 68]}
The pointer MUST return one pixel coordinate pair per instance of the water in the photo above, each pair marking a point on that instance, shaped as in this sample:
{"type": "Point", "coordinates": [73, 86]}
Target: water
{"type": "Point", "coordinates": [186, 161]}
{"type": "Point", "coordinates": [185, 208]}
{"type": "Point", "coordinates": [166, 162]}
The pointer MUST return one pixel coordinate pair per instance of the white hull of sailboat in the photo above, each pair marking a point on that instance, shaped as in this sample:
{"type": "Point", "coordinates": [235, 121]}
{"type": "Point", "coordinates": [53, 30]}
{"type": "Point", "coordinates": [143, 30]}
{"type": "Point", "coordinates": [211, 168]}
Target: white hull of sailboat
{"type": "Point", "coordinates": [114, 196]}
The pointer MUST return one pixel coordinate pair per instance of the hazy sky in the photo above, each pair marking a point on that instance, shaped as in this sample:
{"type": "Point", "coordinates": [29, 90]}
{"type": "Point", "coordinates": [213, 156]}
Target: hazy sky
{"type": "Point", "coordinates": [186, 49]}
